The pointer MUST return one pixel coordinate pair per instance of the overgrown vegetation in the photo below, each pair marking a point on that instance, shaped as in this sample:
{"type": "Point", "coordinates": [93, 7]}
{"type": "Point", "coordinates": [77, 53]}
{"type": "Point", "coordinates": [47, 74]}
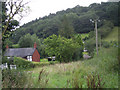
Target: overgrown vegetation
{"type": "Point", "coordinates": [59, 35]}
{"type": "Point", "coordinates": [78, 18]}
{"type": "Point", "coordinates": [25, 64]}
{"type": "Point", "coordinates": [14, 78]}
{"type": "Point", "coordinates": [100, 71]}
{"type": "Point", "coordinates": [64, 49]}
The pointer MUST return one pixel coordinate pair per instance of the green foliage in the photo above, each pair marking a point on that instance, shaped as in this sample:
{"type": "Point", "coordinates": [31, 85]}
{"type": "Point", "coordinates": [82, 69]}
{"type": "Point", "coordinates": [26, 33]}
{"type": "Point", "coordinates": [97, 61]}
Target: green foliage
{"type": "Point", "coordinates": [85, 80]}
{"type": "Point", "coordinates": [25, 41]}
{"type": "Point", "coordinates": [29, 40]}
{"type": "Point", "coordinates": [84, 36]}
{"type": "Point", "coordinates": [94, 81]}
{"type": "Point", "coordinates": [106, 61]}
{"type": "Point", "coordinates": [78, 19]}
{"type": "Point", "coordinates": [61, 47]}
{"type": "Point", "coordinates": [75, 74]}
{"type": "Point", "coordinates": [113, 35]}
{"type": "Point", "coordinates": [105, 29]}
{"type": "Point", "coordinates": [5, 43]}
{"type": "Point", "coordinates": [42, 79]}
{"type": "Point", "coordinates": [90, 45]}
{"type": "Point", "coordinates": [25, 64]}
{"type": "Point", "coordinates": [39, 64]}
{"type": "Point", "coordinates": [15, 45]}
{"type": "Point", "coordinates": [8, 61]}
{"type": "Point", "coordinates": [12, 24]}
{"type": "Point", "coordinates": [22, 63]}
{"type": "Point", "coordinates": [14, 78]}
{"type": "Point", "coordinates": [39, 80]}
{"type": "Point", "coordinates": [66, 29]}
{"type": "Point", "coordinates": [114, 43]}
{"type": "Point", "coordinates": [78, 52]}
{"type": "Point", "coordinates": [105, 44]}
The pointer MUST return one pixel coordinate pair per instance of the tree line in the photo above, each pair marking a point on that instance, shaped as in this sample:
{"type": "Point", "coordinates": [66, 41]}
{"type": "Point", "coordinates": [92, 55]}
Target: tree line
{"type": "Point", "coordinates": [78, 17]}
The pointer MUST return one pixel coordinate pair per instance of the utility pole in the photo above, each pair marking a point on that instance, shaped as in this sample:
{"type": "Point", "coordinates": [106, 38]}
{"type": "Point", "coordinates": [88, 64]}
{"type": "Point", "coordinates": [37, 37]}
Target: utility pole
{"type": "Point", "coordinates": [95, 21]}
{"type": "Point", "coordinates": [96, 36]}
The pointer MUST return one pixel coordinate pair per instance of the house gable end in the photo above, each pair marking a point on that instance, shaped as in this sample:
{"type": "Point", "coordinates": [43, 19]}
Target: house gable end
{"type": "Point", "coordinates": [36, 56]}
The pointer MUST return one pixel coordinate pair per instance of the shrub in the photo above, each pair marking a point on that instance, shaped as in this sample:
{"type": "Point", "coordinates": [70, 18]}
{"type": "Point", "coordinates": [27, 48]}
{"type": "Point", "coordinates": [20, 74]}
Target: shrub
{"type": "Point", "coordinates": [5, 60]}
{"type": "Point", "coordinates": [37, 64]}
{"type": "Point", "coordinates": [22, 63]}
{"type": "Point", "coordinates": [8, 61]}
{"type": "Point", "coordinates": [52, 62]}
{"type": "Point", "coordinates": [90, 46]}
{"type": "Point", "coordinates": [114, 43]}
{"type": "Point", "coordinates": [105, 44]}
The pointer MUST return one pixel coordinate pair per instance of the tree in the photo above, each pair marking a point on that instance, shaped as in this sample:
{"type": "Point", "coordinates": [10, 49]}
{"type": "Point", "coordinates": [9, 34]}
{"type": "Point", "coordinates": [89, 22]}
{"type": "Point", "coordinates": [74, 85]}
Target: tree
{"type": "Point", "coordinates": [105, 29]}
{"type": "Point", "coordinates": [61, 47]}
{"type": "Point", "coordinates": [29, 40]}
{"type": "Point", "coordinates": [66, 29]}
{"type": "Point", "coordinates": [11, 9]}
{"type": "Point", "coordinates": [25, 41]}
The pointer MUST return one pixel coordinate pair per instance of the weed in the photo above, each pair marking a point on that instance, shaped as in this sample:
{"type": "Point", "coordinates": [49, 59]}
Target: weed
{"type": "Point", "coordinates": [13, 78]}
{"type": "Point", "coordinates": [42, 78]}
{"type": "Point", "coordinates": [94, 81]}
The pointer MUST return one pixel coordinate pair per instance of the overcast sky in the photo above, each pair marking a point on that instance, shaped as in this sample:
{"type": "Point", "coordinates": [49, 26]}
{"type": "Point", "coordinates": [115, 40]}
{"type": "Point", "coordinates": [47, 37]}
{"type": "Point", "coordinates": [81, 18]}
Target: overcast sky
{"type": "Point", "coordinates": [40, 8]}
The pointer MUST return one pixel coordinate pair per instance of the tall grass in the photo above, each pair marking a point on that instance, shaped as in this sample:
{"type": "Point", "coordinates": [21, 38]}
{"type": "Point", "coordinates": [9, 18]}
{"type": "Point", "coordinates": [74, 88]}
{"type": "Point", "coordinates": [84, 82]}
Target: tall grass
{"type": "Point", "coordinates": [113, 36]}
{"type": "Point", "coordinates": [97, 72]}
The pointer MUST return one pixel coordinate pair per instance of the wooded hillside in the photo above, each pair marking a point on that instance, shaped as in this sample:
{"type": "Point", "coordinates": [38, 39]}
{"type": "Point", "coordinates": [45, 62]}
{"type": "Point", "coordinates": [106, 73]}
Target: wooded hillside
{"type": "Point", "coordinates": [79, 18]}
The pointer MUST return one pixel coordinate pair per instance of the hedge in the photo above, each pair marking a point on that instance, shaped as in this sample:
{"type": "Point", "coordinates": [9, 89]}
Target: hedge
{"type": "Point", "coordinates": [23, 63]}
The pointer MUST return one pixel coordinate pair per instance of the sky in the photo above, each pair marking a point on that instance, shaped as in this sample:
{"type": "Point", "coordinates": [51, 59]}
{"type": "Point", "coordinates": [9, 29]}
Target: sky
{"type": "Point", "coordinates": [41, 8]}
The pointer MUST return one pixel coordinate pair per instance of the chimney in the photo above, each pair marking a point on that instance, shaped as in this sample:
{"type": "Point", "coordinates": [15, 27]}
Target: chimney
{"type": "Point", "coordinates": [7, 46]}
{"type": "Point", "coordinates": [35, 45]}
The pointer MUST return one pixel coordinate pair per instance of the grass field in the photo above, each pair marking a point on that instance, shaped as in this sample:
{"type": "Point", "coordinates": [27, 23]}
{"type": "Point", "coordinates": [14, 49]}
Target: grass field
{"type": "Point", "coordinates": [113, 36]}
{"type": "Point", "coordinates": [73, 74]}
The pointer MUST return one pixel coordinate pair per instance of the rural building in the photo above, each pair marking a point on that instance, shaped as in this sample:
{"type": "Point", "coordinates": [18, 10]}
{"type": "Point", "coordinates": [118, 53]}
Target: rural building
{"type": "Point", "coordinates": [51, 58]}
{"type": "Point", "coordinates": [31, 54]}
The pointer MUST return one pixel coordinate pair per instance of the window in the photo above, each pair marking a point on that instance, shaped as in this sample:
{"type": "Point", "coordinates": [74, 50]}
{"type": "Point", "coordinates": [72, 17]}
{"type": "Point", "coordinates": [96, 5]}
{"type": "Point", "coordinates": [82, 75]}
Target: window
{"type": "Point", "coordinates": [8, 57]}
{"type": "Point", "coordinates": [29, 58]}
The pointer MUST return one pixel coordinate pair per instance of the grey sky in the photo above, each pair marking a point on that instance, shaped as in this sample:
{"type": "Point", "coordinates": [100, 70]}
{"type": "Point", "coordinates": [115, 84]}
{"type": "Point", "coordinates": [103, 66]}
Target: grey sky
{"type": "Point", "coordinates": [40, 8]}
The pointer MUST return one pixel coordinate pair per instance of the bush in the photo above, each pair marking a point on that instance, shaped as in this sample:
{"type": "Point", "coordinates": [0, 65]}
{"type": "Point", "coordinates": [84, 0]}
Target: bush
{"type": "Point", "coordinates": [22, 63]}
{"type": "Point", "coordinates": [39, 64]}
{"type": "Point", "coordinates": [8, 61]}
{"type": "Point", "coordinates": [105, 44]}
{"type": "Point", "coordinates": [114, 43]}
{"type": "Point", "coordinates": [90, 46]}
{"type": "Point", "coordinates": [78, 54]}
{"type": "Point", "coordinates": [4, 60]}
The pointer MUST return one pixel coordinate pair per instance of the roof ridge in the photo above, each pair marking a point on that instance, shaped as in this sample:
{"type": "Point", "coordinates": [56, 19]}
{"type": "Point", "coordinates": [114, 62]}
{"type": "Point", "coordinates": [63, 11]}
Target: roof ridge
{"type": "Point", "coordinates": [19, 51]}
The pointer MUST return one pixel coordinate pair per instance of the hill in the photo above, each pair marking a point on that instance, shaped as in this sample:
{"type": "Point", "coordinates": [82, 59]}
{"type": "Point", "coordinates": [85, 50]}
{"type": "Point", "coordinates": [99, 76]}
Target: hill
{"type": "Point", "coordinates": [79, 18]}
{"type": "Point", "coordinates": [112, 36]}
